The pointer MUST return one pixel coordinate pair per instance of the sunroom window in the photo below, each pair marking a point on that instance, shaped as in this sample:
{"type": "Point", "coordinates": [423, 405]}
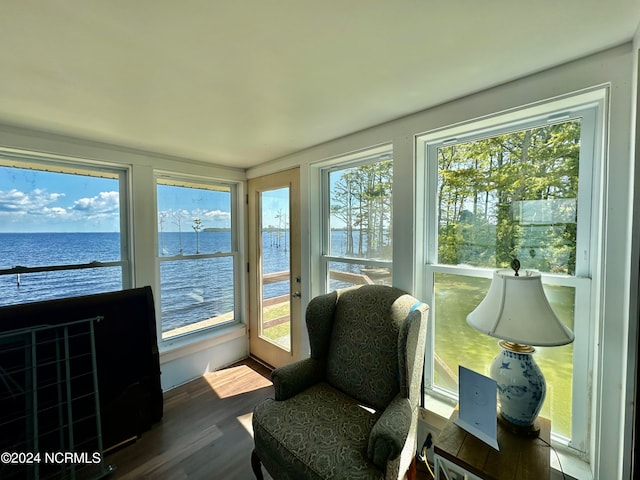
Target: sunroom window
{"type": "Point", "coordinates": [520, 190]}
{"type": "Point", "coordinates": [63, 229]}
{"type": "Point", "coordinates": [197, 253]}
{"type": "Point", "coordinates": [358, 238]}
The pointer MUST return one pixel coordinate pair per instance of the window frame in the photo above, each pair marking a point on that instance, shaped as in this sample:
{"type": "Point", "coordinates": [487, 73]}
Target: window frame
{"type": "Point", "coordinates": [366, 157]}
{"type": "Point", "coordinates": [52, 163]}
{"type": "Point", "coordinates": [206, 183]}
{"type": "Point", "coordinates": [589, 106]}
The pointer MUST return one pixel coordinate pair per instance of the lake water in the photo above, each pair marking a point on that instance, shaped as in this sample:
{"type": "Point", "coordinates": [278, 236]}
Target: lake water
{"type": "Point", "coordinates": [183, 280]}
{"type": "Point", "coordinates": [191, 290]}
{"type": "Point", "coordinates": [40, 249]}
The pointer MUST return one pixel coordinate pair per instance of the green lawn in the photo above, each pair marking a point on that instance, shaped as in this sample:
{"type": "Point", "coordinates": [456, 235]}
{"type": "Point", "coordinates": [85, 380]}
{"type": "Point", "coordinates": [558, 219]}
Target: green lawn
{"type": "Point", "coordinates": [277, 331]}
{"type": "Point", "coordinates": [459, 344]}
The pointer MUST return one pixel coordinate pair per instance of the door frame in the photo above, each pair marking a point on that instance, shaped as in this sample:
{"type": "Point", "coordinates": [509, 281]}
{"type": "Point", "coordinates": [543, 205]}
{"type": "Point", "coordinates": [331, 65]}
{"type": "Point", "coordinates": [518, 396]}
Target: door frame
{"type": "Point", "coordinates": [264, 350]}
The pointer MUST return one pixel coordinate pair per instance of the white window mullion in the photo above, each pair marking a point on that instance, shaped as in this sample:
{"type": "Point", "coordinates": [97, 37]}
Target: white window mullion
{"type": "Point", "coordinates": [587, 110]}
{"type": "Point", "coordinates": [582, 361]}
{"type": "Point", "coordinates": [126, 239]}
{"type": "Point", "coordinates": [71, 199]}
{"type": "Point", "coordinates": [586, 188]}
{"type": "Point", "coordinates": [429, 360]}
{"type": "Point", "coordinates": [355, 169]}
{"type": "Point", "coordinates": [199, 271]}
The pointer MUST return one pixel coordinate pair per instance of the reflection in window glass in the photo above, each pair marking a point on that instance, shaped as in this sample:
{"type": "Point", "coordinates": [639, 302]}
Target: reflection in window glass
{"type": "Point", "coordinates": [193, 220]}
{"type": "Point", "coordinates": [343, 274]}
{"type": "Point", "coordinates": [60, 231]}
{"type": "Point", "coordinates": [360, 211]}
{"type": "Point", "coordinates": [196, 294]}
{"type": "Point", "coordinates": [511, 195]}
{"type": "Point", "coordinates": [458, 344]}
{"type": "Point", "coordinates": [275, 265]}
{"type": "Point", "coordinates": [359, 202]}
{"type": "Point", "coordinates": [197, 256]}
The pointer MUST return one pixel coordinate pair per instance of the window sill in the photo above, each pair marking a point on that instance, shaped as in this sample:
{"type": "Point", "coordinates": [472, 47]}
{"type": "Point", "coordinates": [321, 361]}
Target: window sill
{"type": "Point", "coordinates": [182, 346]}
{"type": "Point", "coordinates": [437, 412]}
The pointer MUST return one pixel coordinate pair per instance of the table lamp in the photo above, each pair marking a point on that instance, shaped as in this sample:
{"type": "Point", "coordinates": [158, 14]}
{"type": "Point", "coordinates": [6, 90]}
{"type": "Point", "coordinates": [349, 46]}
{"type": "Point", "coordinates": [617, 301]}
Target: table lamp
{"type": "Point", "coordinates": [517, 311]}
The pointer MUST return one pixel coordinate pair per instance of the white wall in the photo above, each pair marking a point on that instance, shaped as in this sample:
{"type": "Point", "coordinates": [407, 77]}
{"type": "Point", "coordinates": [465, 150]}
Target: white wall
{"type": "Point", "coordinates": [630, 407]}
{"type": "Point", "coordinates": [614, 68]}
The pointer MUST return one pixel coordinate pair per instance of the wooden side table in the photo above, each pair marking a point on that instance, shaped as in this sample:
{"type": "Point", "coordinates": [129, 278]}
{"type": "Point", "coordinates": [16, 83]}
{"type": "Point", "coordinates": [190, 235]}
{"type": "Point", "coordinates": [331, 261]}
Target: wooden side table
{"type": "Point", "coordinates": [458, 454]}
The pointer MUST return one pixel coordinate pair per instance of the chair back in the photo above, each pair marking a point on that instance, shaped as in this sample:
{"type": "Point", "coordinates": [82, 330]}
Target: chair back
{"type": "Point", "coordinates": [363, 357]}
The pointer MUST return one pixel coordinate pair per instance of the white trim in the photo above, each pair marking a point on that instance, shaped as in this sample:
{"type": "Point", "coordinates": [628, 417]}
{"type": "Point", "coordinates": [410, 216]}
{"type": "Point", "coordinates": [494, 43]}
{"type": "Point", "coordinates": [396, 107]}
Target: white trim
{"type": "Point", "coordinates": [324, 169]}
{"type": "Point", "coordinates": [179, 347]}
{"type": "Point", "coordinates": [164, 177]}
{"type": "Point", "coordinates": [517, 118]}
{"type": "Point", "coordinates": [70, 166]}
{"type": "Point", "coordinates": [588, 106]}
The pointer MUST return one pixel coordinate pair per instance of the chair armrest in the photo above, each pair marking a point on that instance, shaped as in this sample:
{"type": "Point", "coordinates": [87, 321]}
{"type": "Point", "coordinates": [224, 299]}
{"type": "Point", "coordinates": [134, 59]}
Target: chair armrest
{"type": "Point", "coordinates": [390, 432]}
{"type": "Point", "coordinates": [292, 379]}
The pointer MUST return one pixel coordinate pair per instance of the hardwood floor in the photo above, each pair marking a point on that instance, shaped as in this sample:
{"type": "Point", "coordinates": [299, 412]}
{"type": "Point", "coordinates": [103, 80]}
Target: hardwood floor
{"type": "Point", "coordinates": [205, 432]}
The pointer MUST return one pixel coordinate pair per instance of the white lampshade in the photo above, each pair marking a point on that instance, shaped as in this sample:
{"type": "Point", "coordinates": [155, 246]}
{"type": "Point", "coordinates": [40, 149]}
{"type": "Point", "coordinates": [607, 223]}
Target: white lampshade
{"type": "Point", "coordinates": [517, 310]}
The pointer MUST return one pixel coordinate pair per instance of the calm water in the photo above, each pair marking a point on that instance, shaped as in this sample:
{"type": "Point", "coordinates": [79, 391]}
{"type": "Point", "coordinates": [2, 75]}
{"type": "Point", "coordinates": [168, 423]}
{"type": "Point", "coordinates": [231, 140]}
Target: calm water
{"type": "Point", "coordinates": [39, 249]}
{"type": "Point", "coordinates": [191, 290]}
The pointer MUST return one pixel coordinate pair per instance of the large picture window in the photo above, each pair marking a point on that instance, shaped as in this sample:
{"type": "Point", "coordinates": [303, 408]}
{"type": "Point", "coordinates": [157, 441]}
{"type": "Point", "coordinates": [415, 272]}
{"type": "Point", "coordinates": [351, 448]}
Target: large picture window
{"type": "Point", "coordinates": [519, 191]}
{"type": "Point", "coordinates": [197, 253]}
{"type": "Point", "coordinates": [358, 238]}
{"type": "Point", "coordinates": [63, 229]}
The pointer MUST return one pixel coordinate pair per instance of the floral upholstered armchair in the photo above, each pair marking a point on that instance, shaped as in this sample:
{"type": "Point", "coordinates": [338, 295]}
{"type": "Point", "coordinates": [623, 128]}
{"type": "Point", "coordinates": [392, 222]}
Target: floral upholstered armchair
{"type": "Point", "coordinates": [350, 411]}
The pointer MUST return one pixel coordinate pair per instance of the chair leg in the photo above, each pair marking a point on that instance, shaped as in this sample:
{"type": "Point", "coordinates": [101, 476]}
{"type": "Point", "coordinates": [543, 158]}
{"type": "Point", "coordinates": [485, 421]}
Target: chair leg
{"type": "Point", "coordinates": [256, 466]}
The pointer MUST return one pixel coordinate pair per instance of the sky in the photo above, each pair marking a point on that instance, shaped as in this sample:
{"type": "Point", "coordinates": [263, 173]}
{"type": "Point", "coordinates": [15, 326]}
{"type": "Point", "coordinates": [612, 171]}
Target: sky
{"type": "Point", "coordinates": [178, 207]}
{"type": "Point", "coordinates": [37, 201]}
{"type": "Point", "coordinates": [275, 208]}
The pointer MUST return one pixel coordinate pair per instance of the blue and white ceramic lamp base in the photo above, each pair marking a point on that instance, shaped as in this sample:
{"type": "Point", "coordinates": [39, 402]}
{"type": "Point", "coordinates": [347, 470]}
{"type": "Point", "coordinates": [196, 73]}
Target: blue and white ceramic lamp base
{"type": "Point", "coordinates": [521, 387]}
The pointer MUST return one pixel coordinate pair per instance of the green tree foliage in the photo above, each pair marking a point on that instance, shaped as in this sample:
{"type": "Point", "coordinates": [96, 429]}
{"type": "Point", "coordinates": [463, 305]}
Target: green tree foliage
{"type": "Point", "coordinates": [512, 195]}
{"type": "Point", "coordinates": [361, 200]}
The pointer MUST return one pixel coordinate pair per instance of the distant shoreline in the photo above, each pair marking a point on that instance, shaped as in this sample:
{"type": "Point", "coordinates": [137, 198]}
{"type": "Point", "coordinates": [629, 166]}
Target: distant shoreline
{"type": "Point", "coordinates": [208, 230]}
{"type": "Point", "coordinates": [50, 233]}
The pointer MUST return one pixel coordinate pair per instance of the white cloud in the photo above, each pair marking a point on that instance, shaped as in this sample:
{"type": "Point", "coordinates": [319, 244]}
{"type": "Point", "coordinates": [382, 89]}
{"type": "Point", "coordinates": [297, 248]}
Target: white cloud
{"type": "Point", "coordinates": [103, 203]}
{"type": "Point", "coordinates": [26, 203]}
{"type": "Point", "coordinates": [55, 212]}
{"type": "Point", "coordinates": [168, 219]}
{"type": "Point", "coordinates": [216, 215]}
{"type": "Point", "coordinates": [42, 210]}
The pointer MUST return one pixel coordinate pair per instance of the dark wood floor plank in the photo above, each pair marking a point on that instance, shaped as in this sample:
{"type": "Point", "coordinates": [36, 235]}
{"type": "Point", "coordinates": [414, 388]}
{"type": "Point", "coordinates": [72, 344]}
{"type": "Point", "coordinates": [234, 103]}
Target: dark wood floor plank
{"type": "Point", "coordinates": [205, 432]}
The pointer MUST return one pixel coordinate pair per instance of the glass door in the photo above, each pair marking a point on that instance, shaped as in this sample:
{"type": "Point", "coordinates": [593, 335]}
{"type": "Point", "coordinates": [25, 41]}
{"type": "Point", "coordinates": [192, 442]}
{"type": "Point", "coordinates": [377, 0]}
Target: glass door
{"type": "Point", "coordinates": [274, 268]}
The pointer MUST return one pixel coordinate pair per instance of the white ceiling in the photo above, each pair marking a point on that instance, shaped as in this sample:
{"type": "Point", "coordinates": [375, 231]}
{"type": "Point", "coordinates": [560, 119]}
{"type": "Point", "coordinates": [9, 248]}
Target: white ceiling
{"type": "Point", "coordinates": [242, 82]}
